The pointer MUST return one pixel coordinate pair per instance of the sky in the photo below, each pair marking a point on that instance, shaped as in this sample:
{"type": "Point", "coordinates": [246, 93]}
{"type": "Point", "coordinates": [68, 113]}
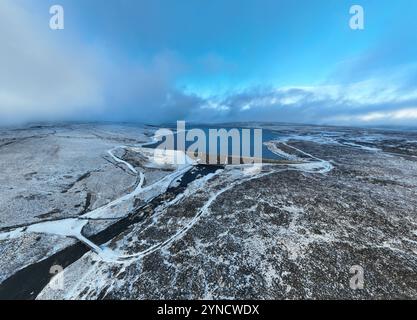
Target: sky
{"type": "Point", "coordinates": [157, 61]}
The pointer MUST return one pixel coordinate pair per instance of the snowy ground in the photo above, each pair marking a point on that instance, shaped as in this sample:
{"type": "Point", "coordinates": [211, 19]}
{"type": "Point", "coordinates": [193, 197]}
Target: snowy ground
{"type": "Point", "coordinates": [292, 230]}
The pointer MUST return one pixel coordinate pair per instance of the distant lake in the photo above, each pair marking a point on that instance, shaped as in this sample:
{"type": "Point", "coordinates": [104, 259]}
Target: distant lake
{"type": "Point", "coordinates": [267, 135]}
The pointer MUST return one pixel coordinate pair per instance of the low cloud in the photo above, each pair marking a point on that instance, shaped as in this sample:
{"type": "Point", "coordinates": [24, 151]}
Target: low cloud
{"type": "Point", "coordinates": [146, 92]}
{"type": "Point", "coordinates": [370, 101]}
{"type": "Point", "coordinates": [41, 79]}
{"type": "Point", "coordinates": [44, 79]}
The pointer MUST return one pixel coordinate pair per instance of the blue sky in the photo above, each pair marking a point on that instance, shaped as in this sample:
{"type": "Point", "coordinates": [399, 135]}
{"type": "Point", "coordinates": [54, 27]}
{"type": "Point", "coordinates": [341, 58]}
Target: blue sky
{"type": "Point", "coordinates": [218, 60]}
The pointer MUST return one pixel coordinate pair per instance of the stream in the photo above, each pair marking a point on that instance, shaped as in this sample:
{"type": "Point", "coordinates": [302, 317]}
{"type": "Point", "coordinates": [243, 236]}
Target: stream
{"type": "Point", "coordinates": [27, 283]}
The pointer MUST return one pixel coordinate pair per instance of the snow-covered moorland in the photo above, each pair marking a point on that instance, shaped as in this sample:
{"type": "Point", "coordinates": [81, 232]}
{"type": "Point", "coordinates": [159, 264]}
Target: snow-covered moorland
{"type": "Point", "coordinates": [146, 228]}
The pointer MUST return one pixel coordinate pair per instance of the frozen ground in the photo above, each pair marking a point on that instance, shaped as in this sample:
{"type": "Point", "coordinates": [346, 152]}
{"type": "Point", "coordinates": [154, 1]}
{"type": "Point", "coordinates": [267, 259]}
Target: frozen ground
{"type": "Point", "coordinates": [285, 231]}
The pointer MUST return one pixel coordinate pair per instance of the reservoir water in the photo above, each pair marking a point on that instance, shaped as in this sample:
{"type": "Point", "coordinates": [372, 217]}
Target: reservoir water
{"type": "Point", "coordinates": [267, 135]}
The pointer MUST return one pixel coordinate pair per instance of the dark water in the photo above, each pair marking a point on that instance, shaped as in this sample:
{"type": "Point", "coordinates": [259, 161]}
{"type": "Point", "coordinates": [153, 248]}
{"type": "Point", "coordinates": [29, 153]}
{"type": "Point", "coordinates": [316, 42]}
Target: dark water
{"type": "Point", "coordinates": [27, 283]}
{"type": "Point", "coordinates": [267, 135]}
